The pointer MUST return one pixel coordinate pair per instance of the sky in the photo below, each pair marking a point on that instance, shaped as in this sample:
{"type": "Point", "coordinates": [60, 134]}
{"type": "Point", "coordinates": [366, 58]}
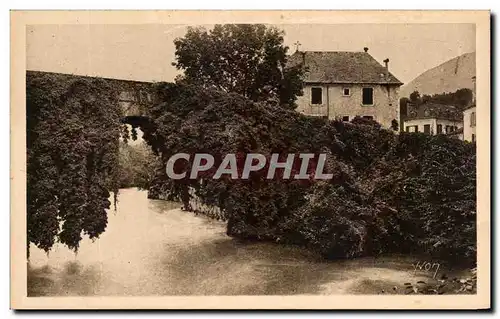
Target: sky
{"type": "Point", "coordinates": [146, 52]}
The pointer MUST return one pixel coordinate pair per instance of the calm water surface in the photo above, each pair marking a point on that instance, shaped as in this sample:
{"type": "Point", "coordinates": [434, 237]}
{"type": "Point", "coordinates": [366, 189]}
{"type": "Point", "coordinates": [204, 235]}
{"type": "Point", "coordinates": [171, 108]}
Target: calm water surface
{"type": "Point", "coordinates": [151, 247]}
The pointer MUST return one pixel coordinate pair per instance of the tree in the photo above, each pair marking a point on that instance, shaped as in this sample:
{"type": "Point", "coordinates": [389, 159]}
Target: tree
{"type": "Point", "coordinates": [415, 97]}
{"type": "Point", "coordinates": [138, 165]}
{"type": "Point", "coordinates": [426, 98]}
{"type": "Point", "coordinates": [248, 59]}
{"type": "Point", "coordinates": [461, 98]}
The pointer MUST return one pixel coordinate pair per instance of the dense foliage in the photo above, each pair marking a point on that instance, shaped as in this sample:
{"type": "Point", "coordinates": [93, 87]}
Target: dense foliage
{"type": "Point", "coordinates": [248, 59]}
{"type": "Point", "coordinates": [73, 129]}
{"type": "Point", "coordinates": [461, 98]}
{"type": "Point", "coordinates": [137, 165]}
{"type": "Point", "coordinates": [431, 183]}
{"type": "Point", "coordinates": [409, 193]}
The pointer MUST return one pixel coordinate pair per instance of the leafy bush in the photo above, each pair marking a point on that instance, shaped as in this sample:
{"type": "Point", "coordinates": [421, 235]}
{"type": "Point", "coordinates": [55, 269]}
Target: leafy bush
{"type": "Point", "coordinates": [389, 193]}
{"type": "Point", "coordinates": [431, 182]}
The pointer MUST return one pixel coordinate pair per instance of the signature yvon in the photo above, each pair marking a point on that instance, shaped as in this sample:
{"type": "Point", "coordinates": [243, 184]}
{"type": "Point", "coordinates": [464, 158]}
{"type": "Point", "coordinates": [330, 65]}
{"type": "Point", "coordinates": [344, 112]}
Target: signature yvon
{"type": "Point", "coordinates": [426, 266]}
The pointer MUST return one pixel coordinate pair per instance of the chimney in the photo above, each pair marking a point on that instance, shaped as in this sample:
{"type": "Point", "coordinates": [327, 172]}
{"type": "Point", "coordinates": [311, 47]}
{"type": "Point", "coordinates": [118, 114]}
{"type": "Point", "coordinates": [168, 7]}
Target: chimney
{"type": "Point", "coordinates": [303, 58]}
{"type": "Point", "coordinates": [386, 61]}
{"type": "Point", "coordinates": [366, 49]}
{"type": "Point", "coordinates": [474, 90]}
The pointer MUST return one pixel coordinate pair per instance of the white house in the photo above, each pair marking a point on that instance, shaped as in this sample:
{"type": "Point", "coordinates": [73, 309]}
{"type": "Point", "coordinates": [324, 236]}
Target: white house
{"type": "Point", "coordinates": [343, 85]}
{"type": "Point", "coordinates": [433, 118]}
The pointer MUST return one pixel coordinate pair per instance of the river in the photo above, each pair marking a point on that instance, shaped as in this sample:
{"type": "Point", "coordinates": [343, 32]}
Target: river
{"type": "Point", "coordinates": [152, 248]}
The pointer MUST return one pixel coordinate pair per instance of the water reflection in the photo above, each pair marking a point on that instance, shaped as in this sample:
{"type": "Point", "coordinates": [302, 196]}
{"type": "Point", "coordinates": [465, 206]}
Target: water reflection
{"type": "Point", "coordinates": [151, 247]}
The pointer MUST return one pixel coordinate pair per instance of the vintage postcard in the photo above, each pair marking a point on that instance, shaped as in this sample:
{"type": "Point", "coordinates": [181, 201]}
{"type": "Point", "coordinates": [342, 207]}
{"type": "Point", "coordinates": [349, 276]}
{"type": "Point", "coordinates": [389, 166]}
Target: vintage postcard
{"type": "Point", "coordinates": [250, 159]}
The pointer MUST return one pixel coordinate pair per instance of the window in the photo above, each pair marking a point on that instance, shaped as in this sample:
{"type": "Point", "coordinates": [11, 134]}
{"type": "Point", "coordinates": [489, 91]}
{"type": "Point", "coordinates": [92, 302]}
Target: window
{"type": "Point", "coordinates": [452, 129]}
{"type": "Point", "coordinates": [427, 129]}
{"type": "Point", "coordinates": [345, 118]}
{"type": "Point", "coordinates": [447, 129]}
{"type": "Point", "coordinates": [473, 119]}
{"type": "Point", "coordinates": [416, 128]}
{"type": "Point", "coordinates": [368, 117]}
{"type": "Point", "coordinates": [439, 128]}
{"type": "Point", "coordinates": [408, 129]}
{"type": "Point", "coordinates": [367, 96]}
{"type": "Point", "coordinates": [473, 137]}
{"type": "Point", "coordinates": [346, 91]}
{"type": "Point", "coordinates": [316, 96]}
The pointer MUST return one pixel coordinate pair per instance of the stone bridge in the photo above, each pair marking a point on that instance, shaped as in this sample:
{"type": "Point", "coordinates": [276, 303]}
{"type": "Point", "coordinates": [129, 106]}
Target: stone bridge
{"type": "Point", "coordinates": [135, 97]}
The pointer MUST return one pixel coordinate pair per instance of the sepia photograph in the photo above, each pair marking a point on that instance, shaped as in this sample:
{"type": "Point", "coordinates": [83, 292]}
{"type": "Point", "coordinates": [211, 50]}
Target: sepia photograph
{"type": "Point", "coordinates": [201, 156]}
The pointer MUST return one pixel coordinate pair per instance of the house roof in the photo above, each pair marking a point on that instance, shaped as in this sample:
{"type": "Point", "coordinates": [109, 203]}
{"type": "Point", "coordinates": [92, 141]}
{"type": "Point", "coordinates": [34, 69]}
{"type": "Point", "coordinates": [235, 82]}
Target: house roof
{"type": "Point", "coordinates": [436, 111]}
{"type": "Point", "coordinates": [342, 67]}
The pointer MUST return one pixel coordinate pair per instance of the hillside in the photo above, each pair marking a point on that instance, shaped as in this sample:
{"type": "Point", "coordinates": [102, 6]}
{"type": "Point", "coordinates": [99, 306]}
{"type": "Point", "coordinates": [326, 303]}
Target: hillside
{"type": "Point", "coordinates": [450, 76]}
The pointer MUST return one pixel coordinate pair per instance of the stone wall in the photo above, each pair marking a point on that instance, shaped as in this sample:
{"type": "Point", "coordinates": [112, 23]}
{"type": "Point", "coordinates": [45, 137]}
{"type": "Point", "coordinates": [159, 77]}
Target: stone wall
{"type": "Point", "coordinates": [199, 207]}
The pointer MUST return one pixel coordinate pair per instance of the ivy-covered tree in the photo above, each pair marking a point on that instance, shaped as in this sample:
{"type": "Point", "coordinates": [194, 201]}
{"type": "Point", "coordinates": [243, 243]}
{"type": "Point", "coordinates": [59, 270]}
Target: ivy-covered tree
{"type": "Point", "coordinates": [248, 59]}
{"type": "Point", "coordinates": [73, 129]}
